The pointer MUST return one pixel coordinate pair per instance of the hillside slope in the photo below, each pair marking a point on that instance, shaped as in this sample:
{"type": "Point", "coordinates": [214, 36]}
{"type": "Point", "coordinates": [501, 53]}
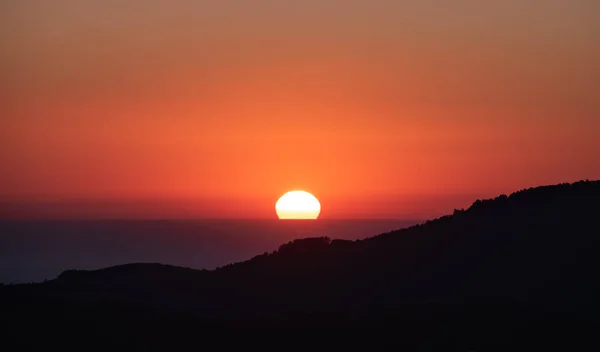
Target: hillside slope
{"type": "Point", "coordinates": [526, 262]}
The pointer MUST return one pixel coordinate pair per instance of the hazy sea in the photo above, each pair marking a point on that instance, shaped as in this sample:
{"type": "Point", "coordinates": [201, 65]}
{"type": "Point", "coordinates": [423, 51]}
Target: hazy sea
{"type": "Point", "coordinates": [32, 251]}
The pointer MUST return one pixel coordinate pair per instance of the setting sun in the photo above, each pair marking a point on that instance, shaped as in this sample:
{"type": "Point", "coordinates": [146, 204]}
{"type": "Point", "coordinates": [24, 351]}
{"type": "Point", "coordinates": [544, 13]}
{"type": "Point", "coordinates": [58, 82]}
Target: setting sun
{"type": "Point", "coordinates": [298, 205]}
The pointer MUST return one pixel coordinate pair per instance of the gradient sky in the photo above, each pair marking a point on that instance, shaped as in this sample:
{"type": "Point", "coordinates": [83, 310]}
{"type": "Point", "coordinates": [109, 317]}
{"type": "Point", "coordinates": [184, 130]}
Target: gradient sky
{"type": "Point", "coordinates": [216, 108]}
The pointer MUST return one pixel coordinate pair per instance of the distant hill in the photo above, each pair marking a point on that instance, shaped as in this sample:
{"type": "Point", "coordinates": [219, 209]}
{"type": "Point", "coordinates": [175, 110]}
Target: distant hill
{"type": "Point", "coordinates": [515, 267]}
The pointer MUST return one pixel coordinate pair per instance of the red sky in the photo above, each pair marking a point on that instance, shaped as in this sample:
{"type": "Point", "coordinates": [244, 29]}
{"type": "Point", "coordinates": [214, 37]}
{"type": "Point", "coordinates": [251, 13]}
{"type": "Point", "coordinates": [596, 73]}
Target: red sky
{"type": "Point", "coordinates": [379, 108]}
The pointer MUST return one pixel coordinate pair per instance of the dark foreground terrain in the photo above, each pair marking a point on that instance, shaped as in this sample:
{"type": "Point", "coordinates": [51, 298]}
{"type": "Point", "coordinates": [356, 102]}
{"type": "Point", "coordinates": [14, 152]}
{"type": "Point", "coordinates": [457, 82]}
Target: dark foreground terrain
{"type": "Point", "coordinates": [515, 270]}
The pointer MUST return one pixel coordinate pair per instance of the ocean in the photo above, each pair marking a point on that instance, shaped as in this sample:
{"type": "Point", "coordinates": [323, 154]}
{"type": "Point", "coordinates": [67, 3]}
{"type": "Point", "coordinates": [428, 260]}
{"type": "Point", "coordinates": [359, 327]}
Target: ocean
{"type": "Point", "coordinates": [34, 251]}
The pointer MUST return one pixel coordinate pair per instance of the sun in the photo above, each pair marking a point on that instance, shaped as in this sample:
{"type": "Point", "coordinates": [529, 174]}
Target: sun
{"type": "Point", "coordinates": [298, 205]}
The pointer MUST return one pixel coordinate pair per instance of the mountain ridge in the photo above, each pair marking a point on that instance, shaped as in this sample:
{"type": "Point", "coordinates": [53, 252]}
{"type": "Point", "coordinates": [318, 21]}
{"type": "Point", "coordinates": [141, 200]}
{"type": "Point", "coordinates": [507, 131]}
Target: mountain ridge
{"type": "Point", "coordinates": [514, 262]}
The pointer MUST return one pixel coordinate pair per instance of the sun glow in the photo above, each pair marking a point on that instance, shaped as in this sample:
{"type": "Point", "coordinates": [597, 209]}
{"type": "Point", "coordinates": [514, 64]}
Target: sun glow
{"type": "Point", "coordinates": [298, 205]}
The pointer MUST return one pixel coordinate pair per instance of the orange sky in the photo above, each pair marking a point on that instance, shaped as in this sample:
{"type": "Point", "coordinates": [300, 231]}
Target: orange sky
{"type": "Point", "coordinates": [379, 108]}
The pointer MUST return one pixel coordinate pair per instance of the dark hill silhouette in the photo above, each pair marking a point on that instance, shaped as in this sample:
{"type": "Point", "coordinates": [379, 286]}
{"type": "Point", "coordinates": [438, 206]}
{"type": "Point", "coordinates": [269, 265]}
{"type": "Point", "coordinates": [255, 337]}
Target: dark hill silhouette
{"type": "Point", "coordinates": [518, 267]}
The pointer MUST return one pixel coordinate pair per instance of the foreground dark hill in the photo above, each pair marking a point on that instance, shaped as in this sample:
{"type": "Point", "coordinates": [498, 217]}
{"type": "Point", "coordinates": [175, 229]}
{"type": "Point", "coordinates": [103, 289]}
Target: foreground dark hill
{"type": "Point", "coordinates": [514, 267]}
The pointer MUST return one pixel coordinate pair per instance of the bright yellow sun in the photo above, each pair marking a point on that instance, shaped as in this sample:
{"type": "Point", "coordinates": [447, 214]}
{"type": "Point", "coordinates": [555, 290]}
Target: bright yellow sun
{"type": "Point", "coordinates": [298, 205]}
